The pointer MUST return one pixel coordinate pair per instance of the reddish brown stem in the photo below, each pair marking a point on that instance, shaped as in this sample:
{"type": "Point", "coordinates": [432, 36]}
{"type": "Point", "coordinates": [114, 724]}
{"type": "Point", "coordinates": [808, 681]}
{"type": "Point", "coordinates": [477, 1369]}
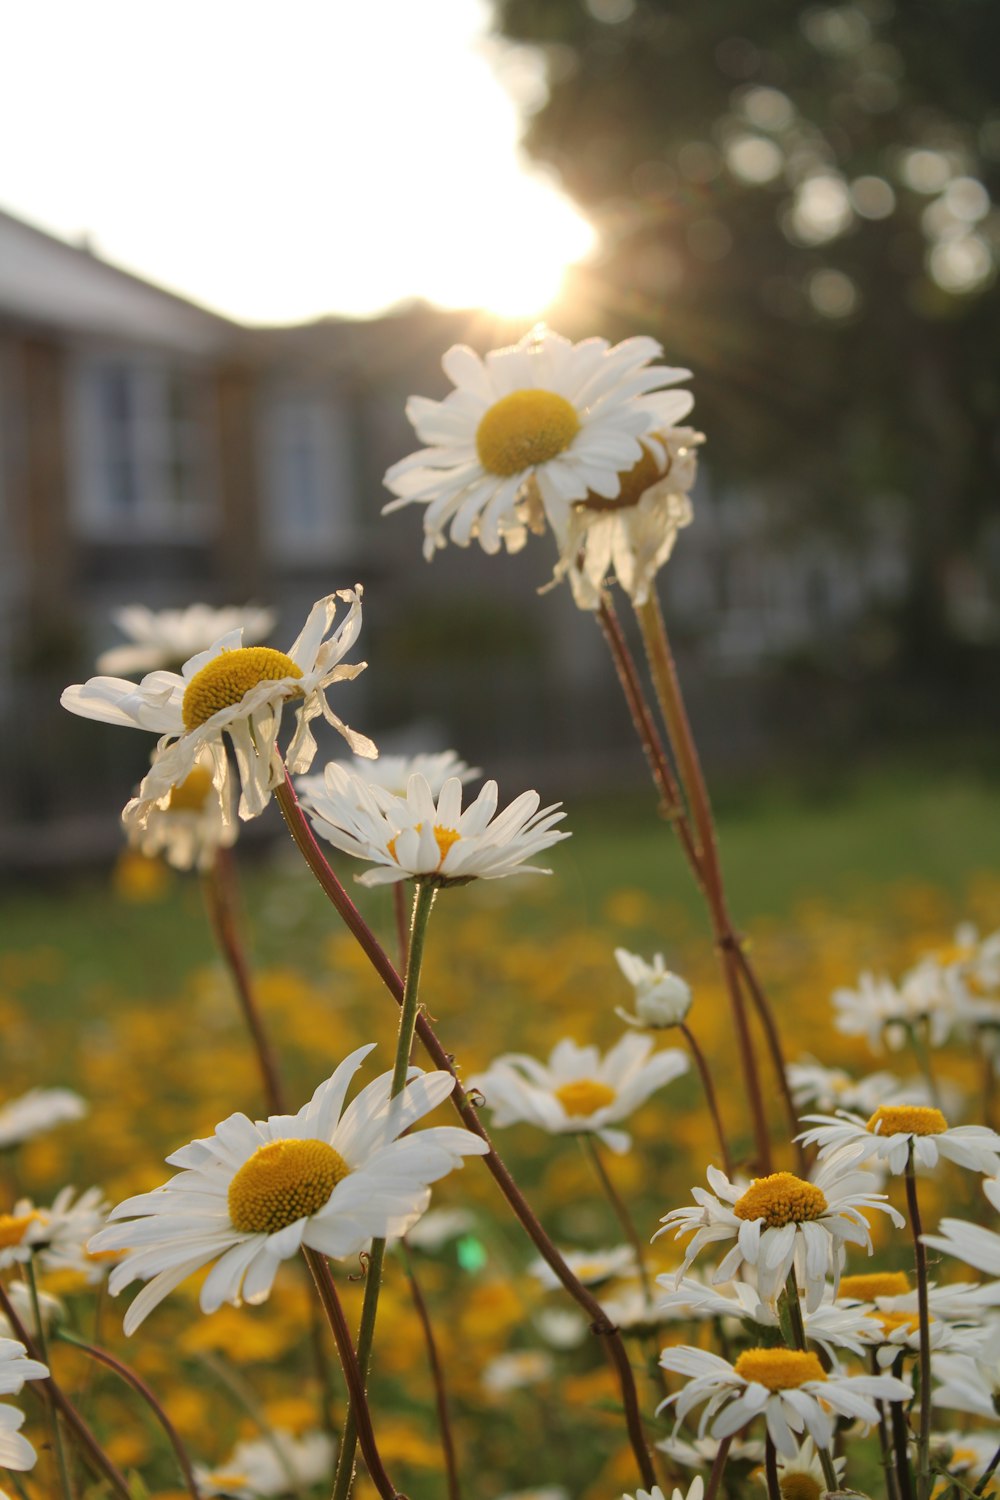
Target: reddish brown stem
{"type": "Point", "coordinates": [711, 1098]}
{"type": "Point", "coordinates": [600, 1323]}
{"type": "Point", "coordinates": [437, 1375]}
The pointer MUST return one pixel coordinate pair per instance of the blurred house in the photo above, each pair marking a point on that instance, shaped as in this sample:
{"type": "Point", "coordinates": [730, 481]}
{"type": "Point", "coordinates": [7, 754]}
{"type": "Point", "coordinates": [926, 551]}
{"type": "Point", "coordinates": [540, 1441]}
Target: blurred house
{"type": "Point", "coordinates": [153, 451]}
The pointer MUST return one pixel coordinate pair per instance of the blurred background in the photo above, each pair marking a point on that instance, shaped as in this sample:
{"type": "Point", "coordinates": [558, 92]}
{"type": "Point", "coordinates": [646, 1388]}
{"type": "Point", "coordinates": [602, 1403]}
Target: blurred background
{"type": "Point", "coordinates": [230, 248]}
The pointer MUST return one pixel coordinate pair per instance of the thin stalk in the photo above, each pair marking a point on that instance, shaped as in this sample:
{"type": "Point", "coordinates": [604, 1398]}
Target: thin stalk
{"type": "Point", "coordinates": [423, 902]}
{"type": "Point", "coordinates": [620, 1210]}
{"type": "Point", "coordinates": [987, 1474]}
{"type": "Point", "coordinates": [355, 1385]}
{"type": "Point", "coordinates": [711, 1098]}
{"type": "Point", "coordinates": [247, 1401]}
{"type": "Point", "coordinates": [437, 1376]}
{"type": "Point", "coordinates": [765, 1016]}
{"type": "Point", "coordinates": [218, 885]}
{"type": "Point", "coordinates": [601, 1325]}
{"type": "Point", "coordinates": [901, 1441]}
{"type": "Point", "coordinates": [925, 1479]}
{"type": "Point", "coordinates": [126, 1373]}
{"type": "Point", "coordinates": [771, 1469]}
{"type": "Point", "coordinates": [922, 1052]}
{"type": "Point", "coordinates": [718, 1468]}
{"type": "Point", "coordinates": [65, 1482]}
{"type": "Point", "coordinates": [885, 1442]}
{"type": "Point", "coordinates": [95, 1455]}
{"type": "Point", "coordinates": [793, 1307]}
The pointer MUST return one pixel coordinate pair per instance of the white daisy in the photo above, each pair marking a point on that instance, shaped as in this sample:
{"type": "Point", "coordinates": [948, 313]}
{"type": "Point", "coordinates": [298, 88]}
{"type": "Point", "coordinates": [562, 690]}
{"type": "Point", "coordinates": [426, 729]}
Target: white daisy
{"type": "Point", "coordinates": [189, 824]}
{"type": "Point", "coordinates": [631, 1310]}
{"type": "Point", "coordinates": [392, 772]}
{"type": "Point", "coordinates": [829, 1325]}
{"type": "Point", "coordinates": [694, 1491]}
{"type": "Point", "coordinates": [971, 1243]}
{"type": "Point", "coordinates": [52, 1310]}
{"type": "Point", "coordinates": [801, 1477]}
{"type": "Point", "coordinates": [701, 1452]}
{"type": "Point", "coordinates": [270, 1466]}
{"type": "Point", "coordinates": [970, 1381]}
{"type": "Point", "coordinates": [569, 416]}
{"type": "Point", "coordinates": [250, 1195]}
{"type": "Point", "coordinates": [591, 1267]}
{"type": "Point", "coordinates": [16, 1368]}
{"type": "Point", "coordinates": [831, 1088]}
{"type": "Point", "coordinates": [888, 1135]}
{"type": "Point", "coordinates": [15, 1451]}
{"type": "Point", "coordinates": [964, 1452]}
{"type": "Point", "coordinates": [578, 1092]}
{"type": "Point", "coordinates": [885, 1013]}
{"type": "Point", "coordinates": [167, 637]}
{"type": "Point", "coordinates": [439, 1227]}
{"type": "Point", "coordinates": [631, 536]}
{"type": "Point", "coordinates": [37, 1111]}
{"type": "Point", "coordinates": [57, 1236]}
{"type": "Point", "coordinates": [420, 836]}
{"type": "Point", "coordinates": [789, 1387]}
{"type": "Point", "coordinates": [899, 1332]}
{"type": "Point", "coordinates": [515, 1370]}
{"type": "Point", "coordinates": [662, 998]}
{"type": "Point", "coordinates": [239, 691]}
{"type": "Point", "coordinates": [782, 1222]}
{"type": "Point", "coordinates": [891, 1292]}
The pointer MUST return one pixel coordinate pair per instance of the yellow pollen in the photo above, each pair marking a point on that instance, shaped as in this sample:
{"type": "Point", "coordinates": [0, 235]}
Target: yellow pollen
{"type": "Point", "coordinates": [445, 837]}
{"type": "Point", "coordinates": [866, 1287]}
{"type": "Point", "coordinates": [527, 427]}
{"type": "Point", "coordinates": [228, 677]}
{"type": "Point", "coordinates": [907, 1119]}
{"type": "Point", "coordinates": [633, 484]}
{"type": "Point", "coordinates": [889, 1322]}
{"type": "Point", "coordinates": [282, 1182]}
{"type": "Point", "coordinates": [779, 1369]}
{"type": "Point", "coordinates": [13, 1228]}
{"type": "Point", "coordinates": [799, 1487]}
{"type": "Point", "coordinates": [191, 794]}
{"type": "Point", "coordinates": [781, 1199]}
{"type": "Point", "coordinates": [584, 1096]}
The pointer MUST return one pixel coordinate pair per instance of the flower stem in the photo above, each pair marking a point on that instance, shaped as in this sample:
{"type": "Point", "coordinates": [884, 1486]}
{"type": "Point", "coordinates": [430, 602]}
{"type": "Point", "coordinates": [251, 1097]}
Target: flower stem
{"type": "Point", "coordinates": [889, 1474]}
{"type": "Point", "coordinates": [620, 1209]}
{"type": "Point", "coordinates": [245, 1399]}
{"type": "Point", "coordinates": [89, 1446]}
{"type": "Point", "coordinates": [718, 1469]}
{"type": "Point", "coordinates": [987, 1474]}
{"type": "Point", "coordinates": [771, 1469]}
{"type": "Point", "coordinates": [711, 1099]}
{"type": "Point", "coordinates": [793, 1307]}
{"type": "Point", "coordinates": [437, 1375]}
{"type": "Point", "coordinates": [601, 1325]}
{"type": "Point", "coordinates": [59, 1448]}
{"type": "Point", "coordinates": [219, 887]}
{"type": "Point", "coordinates": [423, 902]}
{"type": "Point", "coordinates": [901, 1441]}
{"type": "Point", "coordinates": [925, 1478]}
{"type": "Point", "coordinates": [126, 1373]}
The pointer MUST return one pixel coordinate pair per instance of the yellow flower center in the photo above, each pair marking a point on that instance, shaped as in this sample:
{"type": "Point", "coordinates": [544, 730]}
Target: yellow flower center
{"type": "Point", "coordinates": [444, 838]}
{"type": "Point", "coordinates": [867, 1286]}
{"type": "Point", "coordinates": [799, 1487]}
{"type": "Point", "coordinates": [781, 1199]}
{"type": "Point", "coordinates": [889, 1322]}
{"type": "Point", "coordinates": [282, 1182]}
{"type": "Point", "coordinates": [13, 1227]}
{"type": "Point", "coordinates": [907, 1119]}
{"type": "Point", "coordinates": [228, 677]}
{"type": "Point", "coordinates": [191, 794]}
{"type": "Point", "coordinates": [584, 1096]}
{"type": "Point", "coordinates": [779, 1369]}
{"type": "Point", "coordinates": [230, 1481]}
{"type": "Point", "coordinates": [633, 484]}
{"type": "Point", "coordinates": [525, 428]}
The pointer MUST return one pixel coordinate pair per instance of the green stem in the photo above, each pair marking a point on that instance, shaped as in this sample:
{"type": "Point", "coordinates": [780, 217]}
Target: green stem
{"type": "Point", "coordinates": [423, 902]}
{"type": "Point", "coordinates": [925, 1478]}
{"type": "Point", "coordinates": [771, 1470]}
{"type": "Point", "coordinates": [711, 1098]}
{"type": "Point", "coordinates": [793, 1308]}
{"type": "Point", "coordinates": [620, 1210]}
{"type": "Point", "coordinates": [65, 1482]}
{"type": "Point", "coordinates": [987, 1474]}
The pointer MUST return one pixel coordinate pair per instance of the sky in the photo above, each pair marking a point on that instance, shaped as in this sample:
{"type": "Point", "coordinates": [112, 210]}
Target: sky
{"type": "Point", "coordinates": [280, 163]}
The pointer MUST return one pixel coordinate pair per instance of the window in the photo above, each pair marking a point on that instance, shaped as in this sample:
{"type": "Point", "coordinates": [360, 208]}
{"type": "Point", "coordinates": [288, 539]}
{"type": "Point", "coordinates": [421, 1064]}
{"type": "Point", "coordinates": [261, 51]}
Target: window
{"type": "Point", "coordinates": [309, 476]}
{"type": "Point", "coordinates": [141, 450]}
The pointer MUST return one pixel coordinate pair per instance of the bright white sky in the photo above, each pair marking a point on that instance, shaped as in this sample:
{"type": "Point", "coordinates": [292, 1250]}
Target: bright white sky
{"type": "Point", "coordinates": [281, 161]}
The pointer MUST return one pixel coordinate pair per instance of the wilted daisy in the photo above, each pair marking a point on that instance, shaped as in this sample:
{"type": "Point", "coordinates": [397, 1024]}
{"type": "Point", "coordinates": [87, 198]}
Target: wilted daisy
{"type": "Point", "coordinates": [424, 837]}
{"type": "Point", "coordinates": [578, 1092]}
{"type": "Point", "coordinates": [631, 536]}
{"type": "Point", "coordinates": [37, 1111]}
{"type": "Point", "coordinates": [569, 416]}
{"type": "Point", "coordinates": [189, 824]}
{"type": "Point", "coordinates": [239, 691]}
{"type": "Point", "coordinates": [781, 1222]}
{"type": "Point", "coordinates": [250, 1195]}
{"type": "Point", "coordinates": [788, 1387]}
{"type": "Point", "coordinates": [662, 999]}
{"type": "Point", "coordinates": [392, 772]}
{"type": "Point", "coordinates": [274, 1465]}
{"type": "Point", "coordinates": [888, 1136]}
{"type": "Point", "coordinates": [167, 637]}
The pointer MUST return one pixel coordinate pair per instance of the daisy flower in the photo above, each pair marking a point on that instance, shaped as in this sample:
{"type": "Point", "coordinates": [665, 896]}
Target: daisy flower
{"type": "Point", "coordinates": [37, 1111]}
{"type": "Point", "coordinates": [890, 1292]}
{"type": "Point", "coordinates": [970, 1381]}
{"type": "Point", "coordinates": [801, 1477]}
{"type": "Point", "coordinates": [965, 1452]}
{"type": "Point", "coordinates": [701, 1452]}
{"type": "Point", "coordinates": [591, 1267]}
{"type": "Point", "coordinates": [57, 1235]}
{"type": "Point", "coordinates": [270, 1466]}
{"type": "Point", "coordinates": [189, 824]}
{"type": "Point", "coordinates": [239, 691]}
{"type": "Point", "coordinates": [788, 1387]}
{"type": "Point", "coordinates": [885, 1013]}
{"type": "Point", "coordinates": [579, 1092]}
{"type": "Point", "coordinates": [516, 1369]}
{"type": "Point", "coordinates": [831, 1088]}
{"type": "Point", "coordinates": [16, 1368]}
{"type": "Point", "coordinates": [781, 1223]}
{"type": "Point", "coordinates": [971, 1243]}
{"type": "Point", "coordinates": [887, 1137]}
{"type": "Point", "coordinates": [662, 999]}
{"type": "Point", "coordinates": [15, 1451]}
{"type": "Point", "coordinates": [167, 637]}
{"type": "Point", "coordinates": [632, 1311]}
{"type": "Point", "coordinates": [568, 416]}
{"type": "Point", "coordinates": [247, 1197]}
{"type": "Point", "coordinates": [392, 772]}
{"type": "Point", "coordinates": [829, 1325]}
{"type": "Point", "coordinates": [899, 1332]}
{"type": "Point", "coordinates": [423, 837]}
{"type": "Point", "coordinates": [694, 1491]}
{"type": "Point", "coordinates": [631, 536]}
